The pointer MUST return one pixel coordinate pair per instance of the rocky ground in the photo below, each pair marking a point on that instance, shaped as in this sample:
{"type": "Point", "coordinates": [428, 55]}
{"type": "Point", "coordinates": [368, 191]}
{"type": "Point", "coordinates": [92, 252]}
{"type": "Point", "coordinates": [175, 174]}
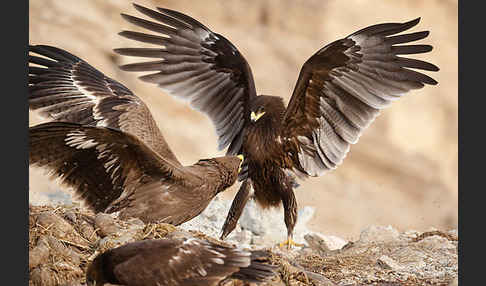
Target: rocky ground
{"type": "Point", "coordinates": [63, 240]}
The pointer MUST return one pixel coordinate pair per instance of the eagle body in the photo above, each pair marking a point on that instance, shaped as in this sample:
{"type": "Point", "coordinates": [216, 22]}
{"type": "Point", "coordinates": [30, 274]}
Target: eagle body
{"type": "Point", "coordinates": [339, 92]}
{"type": "Point", "coordinates": [265, 151]}
{"type": "Point", "coordinates": [173, 204]}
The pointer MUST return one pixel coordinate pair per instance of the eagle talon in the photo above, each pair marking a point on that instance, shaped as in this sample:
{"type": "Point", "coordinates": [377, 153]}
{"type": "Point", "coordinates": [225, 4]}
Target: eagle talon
{"type": "Point", "coordinates": [290, 242]}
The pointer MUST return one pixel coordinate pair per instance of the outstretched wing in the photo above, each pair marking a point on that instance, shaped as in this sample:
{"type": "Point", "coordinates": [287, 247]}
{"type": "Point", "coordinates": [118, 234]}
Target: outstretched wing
{"type": "Point", "coordinates": [197, 65]}
{"type": "Point", "coordinates": [65, 88]}
{"type": "Point", "coordinates": [101, 164]}
{"type": "Point", "coordinates": [178, 262]}
{"type": "Point", "coordinates": [342, 88]}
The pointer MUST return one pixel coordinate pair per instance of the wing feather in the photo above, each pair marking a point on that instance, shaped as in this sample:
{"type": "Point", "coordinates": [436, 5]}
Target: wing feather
{"type": "Point", "coordinates": [187, 261]}
{"type": "Point", "coordinates": [63, 87]}
{"type": "Point", "coordinates": [197, 65]}
{"type": "Point", "coordinates": [342, 88]}
{"type": "Point", "coordinates": [101, 164]}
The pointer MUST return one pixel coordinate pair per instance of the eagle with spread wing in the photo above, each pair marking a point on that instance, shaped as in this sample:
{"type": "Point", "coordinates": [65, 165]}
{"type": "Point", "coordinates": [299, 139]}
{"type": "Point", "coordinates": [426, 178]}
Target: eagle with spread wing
{"type": "Point", "coordinates": [187, 261]}
{"type": "Point", "coordinates": [103, 142]}
{"type": "Point", "coordinates": [339, 92]}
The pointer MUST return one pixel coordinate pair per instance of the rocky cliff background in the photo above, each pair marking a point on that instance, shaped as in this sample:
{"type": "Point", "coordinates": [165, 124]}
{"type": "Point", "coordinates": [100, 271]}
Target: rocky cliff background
{"type": "Point", "coordinates": [402, 172]}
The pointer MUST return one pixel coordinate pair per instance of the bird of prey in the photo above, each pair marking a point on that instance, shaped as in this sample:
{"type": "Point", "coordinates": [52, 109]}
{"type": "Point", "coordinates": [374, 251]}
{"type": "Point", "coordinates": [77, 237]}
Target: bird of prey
{"type": "Point", "coordinates": [339, 92]}
{"type": "Point", "coordinates": [104, 143]}
{"type": "Point", "coordinates": [176, 262]}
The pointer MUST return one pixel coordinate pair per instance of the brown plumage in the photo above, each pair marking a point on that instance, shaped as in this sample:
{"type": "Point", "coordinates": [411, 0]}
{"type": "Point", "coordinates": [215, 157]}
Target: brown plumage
{"type": "Point", "coordinates": [112, 153]}
{"type": "Point", "coordinates": [339, 92]}
{"type": "Point", "coordinates": [177, 262]}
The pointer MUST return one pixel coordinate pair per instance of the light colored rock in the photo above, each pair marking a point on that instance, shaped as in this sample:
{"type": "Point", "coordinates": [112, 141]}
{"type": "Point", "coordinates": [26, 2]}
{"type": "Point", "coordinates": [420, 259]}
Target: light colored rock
{"type": "Point", "coordinates": [324, 243]}
{"type": "Point", "coordinates": [453, 232]}
{"type": "Point", "coordinates": [266, 226]}
{"type": "Point", "coordinates": [436, 242]}
{"type": "Point", "coordinates": [251, 219]}
{"type": "Point", "coordinates": [211, 219]}
{"type": "Point", "coordinates": [378, 234]}
{"type": "Point", "coordinates": [386, 262]}
{"type": "Point", "coordinates": [409, 234]}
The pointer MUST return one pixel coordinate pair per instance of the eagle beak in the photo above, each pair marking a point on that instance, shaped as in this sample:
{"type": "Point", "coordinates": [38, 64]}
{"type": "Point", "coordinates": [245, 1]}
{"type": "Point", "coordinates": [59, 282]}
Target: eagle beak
{"type": "Point", "coordinates": [254, 117]}
{"type": "Point", "coordinates": [241, 157]}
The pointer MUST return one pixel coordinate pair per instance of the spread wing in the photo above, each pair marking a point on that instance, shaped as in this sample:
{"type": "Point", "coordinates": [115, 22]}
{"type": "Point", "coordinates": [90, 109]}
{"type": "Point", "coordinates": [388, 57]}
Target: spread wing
{"type": "Point", "coordinates": [65, 88]}
{"type": "Point", "coordinates": [197, 65]}
{"type": "Point", "coordinates": [342, 88]}
{"type": "Point", "coordinates": [101, 164]}
{"type": "Point", "coordinates": [179, 262]}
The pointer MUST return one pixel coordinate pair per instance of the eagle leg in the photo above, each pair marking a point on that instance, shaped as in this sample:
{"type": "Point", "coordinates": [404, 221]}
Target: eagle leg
{"type": "Point", "coordinates": [290, 215]}
{"type": "Point", "coordinates": [236, 209]}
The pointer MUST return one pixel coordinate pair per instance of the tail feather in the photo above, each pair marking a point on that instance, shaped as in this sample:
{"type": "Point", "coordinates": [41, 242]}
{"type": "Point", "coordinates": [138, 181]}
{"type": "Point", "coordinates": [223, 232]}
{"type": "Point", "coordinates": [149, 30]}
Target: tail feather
{"type": "Point", "coordinates": [259, 269]}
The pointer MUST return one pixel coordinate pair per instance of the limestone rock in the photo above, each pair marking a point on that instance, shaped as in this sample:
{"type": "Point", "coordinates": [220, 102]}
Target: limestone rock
{"type": "Point", "coordinates": [378, 234]}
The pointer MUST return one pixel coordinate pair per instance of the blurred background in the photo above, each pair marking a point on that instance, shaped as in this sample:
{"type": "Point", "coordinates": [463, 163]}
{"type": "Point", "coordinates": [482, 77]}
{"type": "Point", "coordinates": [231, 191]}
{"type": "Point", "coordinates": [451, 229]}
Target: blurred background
{"type": "Point", "coordinates": [402, 172]}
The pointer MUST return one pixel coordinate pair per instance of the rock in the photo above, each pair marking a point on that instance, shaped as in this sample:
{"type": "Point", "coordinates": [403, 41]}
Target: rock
{"type": "Point", "coordinates": [55, 224]}
{"type": "Point", "coordinates": [59, 249]}
{"type": "Point", "coordinates": [324, 243]}
{"type": "Point", "coordinates": [42, 276]}
{"type": "Point", "coordinates": [39, 253]}
{"type": "Point", "coordinates": [409, 234]}
{"type": "Point", "coordinates": [106, 224]}
{"type": "Point", "coordinates": [257, 240]}
{"type": "Point", "coordinates": [115, 234]}
{"type": "Point", "coordinates": [211, 220]}
{"type": "Point", "coordinates": [386, 262]}
{"type": "Point", "coordinates": [88, 232]}
{"type": "Point", "coordinates": [436, 242]}
{"type": "Point", "coordinates": [243, 238]}
{"type": "Point", "coordinates": [58, 227]}
{"type": "Point", "coordinates": [251, 219]}
{"type": "Point", "coordinates": [378, 234]}
{"type": "Point", "coordinates": [70, 216]}
{"type": "Point", "coordinates": [453, 232]}
{"type": "Point", "coordinates": [268, 223]}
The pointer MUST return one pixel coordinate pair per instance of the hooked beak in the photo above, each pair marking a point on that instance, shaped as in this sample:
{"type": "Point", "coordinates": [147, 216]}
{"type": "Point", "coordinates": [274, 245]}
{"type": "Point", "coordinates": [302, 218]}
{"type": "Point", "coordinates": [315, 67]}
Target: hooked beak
{"type": "Point", "coordinates": [254, 116]}
{"type": "Point", "coordinates": [241, 157]}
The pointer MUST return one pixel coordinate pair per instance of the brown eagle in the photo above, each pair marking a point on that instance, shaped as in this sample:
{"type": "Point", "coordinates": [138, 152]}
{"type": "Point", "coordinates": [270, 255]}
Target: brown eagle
{"type": "Point", "coordinates": [176, 262]}
{"type": "Point", "coordinates": [339, 92]}
{"type": "Point", "coordinates": [109, 148]}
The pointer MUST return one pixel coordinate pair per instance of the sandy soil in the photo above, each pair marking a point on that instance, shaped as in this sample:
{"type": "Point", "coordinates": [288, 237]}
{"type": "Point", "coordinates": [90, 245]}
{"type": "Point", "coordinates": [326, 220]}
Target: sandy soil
{"type": "Point", "coordinates": [402, 172]}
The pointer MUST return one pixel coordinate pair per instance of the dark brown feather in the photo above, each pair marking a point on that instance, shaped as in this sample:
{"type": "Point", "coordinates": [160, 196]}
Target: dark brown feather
{"type": "Point", "coordinates": [65, 88]}
{"type": "Point", "coordinates": [111, 170]}
{"type": "Point", "coordinates": [177, 262]}
{"type": "Point", "coordinates": [198, 65]}
{"type": "Point", "coordinates": [343, 86]}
